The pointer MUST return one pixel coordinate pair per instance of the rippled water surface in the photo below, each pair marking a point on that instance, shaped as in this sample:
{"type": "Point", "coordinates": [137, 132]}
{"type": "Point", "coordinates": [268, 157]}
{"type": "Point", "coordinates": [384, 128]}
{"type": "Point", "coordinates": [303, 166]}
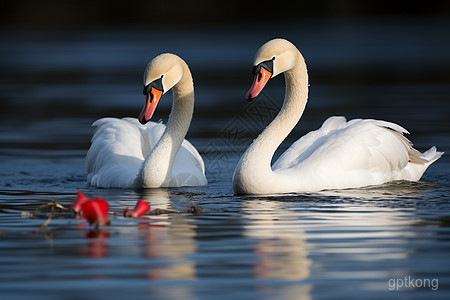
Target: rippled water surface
{"type": "Point", "coordinates": [390, 241]}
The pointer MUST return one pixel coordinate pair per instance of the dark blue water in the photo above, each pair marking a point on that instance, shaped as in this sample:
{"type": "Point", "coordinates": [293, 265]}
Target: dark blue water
{"type": "Point", "coordinates": [390, 241]}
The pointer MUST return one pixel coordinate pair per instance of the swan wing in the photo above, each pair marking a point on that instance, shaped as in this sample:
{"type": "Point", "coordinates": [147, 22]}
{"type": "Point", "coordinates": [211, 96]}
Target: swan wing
{"type": "Point", "coordinates": [118, 149]}
{"type": "Point", "coordinates": [188, 166]}
{"type": "Point", "coordinates": [115, 155]}
{"type": "Point", "coordinates": [358, 152]}
{"type": "Point", "coordinates": [307, 144]}
{"type": "Point", "coordinates": [120, 146]}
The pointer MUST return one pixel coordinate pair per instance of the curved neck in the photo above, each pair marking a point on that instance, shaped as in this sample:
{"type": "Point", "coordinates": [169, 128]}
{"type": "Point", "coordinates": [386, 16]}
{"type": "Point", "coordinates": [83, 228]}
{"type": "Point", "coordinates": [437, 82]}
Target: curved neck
{"type": "Point", "coordinates": [156, 170]}
{"type": "Point", "coordinates": [258, 156]}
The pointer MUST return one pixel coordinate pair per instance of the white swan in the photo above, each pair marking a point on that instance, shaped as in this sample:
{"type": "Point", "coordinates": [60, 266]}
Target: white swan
{"type": "Point", "coordinates": [338, 155]}
{"type": "Point", "coordinates": [127, 154]}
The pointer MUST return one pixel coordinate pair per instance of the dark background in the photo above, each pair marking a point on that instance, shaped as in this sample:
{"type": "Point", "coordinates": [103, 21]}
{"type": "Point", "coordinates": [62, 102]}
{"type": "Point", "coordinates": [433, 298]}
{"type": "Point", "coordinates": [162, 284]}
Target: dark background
{"type": "Point", "coordinates": [83, 60]}
{"type": "Point", "coordinates": [51, 14]}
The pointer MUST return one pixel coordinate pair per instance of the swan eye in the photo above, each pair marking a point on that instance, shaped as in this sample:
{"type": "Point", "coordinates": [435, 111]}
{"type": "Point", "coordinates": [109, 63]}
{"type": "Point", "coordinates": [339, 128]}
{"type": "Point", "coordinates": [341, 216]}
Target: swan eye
{"type": "Point", "coordinates": [156, 84]}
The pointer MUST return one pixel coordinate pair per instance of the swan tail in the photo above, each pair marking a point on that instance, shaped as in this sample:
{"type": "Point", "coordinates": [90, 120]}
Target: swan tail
{"type": "Point", "coordinates": [431, 155]}
{"type": "Point", "coordinates": [426, 158]}
{"type": "Point", "coordinates": [419, 163]}
{"type": "Point", "coordinates": [415, 156]}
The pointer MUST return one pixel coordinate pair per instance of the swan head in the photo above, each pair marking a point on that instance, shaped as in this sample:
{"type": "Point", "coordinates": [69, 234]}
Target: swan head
{"type": "Point", "coordinates": [161, 74]}
{"type": "Point", "coordinates": [273, 58]}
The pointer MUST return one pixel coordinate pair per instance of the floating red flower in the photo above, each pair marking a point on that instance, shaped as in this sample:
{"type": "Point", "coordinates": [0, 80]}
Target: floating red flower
{"type": "Point", "coordinates": [141, 208]}
{"type": "Point", "coordinates": [95, 211]}
{"type": "Point", "coordinates": [81, 199]}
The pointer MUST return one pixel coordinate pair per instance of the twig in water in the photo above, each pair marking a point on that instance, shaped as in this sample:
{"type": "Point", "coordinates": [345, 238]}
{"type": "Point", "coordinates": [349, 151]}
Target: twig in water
{"type": "Point", "coordinates": [53, 205]}
{"type": "Point", "coordinates": [191, 209]}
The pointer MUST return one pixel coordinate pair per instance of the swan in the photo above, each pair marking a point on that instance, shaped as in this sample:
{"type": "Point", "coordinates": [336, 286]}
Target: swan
{"type": "Point", "coordinates": [132, 153]}
{"type": "Point", "coordinates": [338, 155]}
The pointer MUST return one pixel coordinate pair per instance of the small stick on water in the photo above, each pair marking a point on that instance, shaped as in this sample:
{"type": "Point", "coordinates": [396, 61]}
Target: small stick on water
{"type": "Point", "coordinates": [191, 209]}
{"type": "Point", "coordinates": [52, 204]}
{"type": "Point", "coordinates": [52, 210]}
{"type": "Point", "coordinates": [160, 211]}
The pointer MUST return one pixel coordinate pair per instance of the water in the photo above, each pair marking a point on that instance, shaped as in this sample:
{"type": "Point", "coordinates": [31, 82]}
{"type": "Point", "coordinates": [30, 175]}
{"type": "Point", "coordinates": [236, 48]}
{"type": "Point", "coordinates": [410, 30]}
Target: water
{"type": "Point", "coordinates": [373, 242]}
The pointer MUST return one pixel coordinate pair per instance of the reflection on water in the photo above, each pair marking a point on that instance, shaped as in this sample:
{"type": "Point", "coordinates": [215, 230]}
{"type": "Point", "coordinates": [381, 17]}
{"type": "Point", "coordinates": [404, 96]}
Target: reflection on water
{"type": "Point", "coordinates": [169, 239]}
{"type": "Point", "coordinates": [388, 191]}
{"type": "Point", "coordinates": [165, 239]}
{"type": "Point", "coordinates": [285, 246]}
{"type": "Point", "coordinates": [97, 246]}
{"type": "Point", "coordinates": [173, 243]}
{"type": "Point", "coordinates": [347, 243]}
{"type": "Point", "coordinates": [281, 248]}
{"type": "Point", "coordinates": [332, 244]}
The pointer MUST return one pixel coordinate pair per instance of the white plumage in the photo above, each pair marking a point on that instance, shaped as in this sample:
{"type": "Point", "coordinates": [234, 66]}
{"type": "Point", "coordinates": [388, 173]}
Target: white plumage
{"type": "Point", "coordinates": [338, 155]}
{"type": "Point", "coordinates": [357, 153]}
{"type": "Point", "coordinates": [120, 147]}
{"type": "Point", "coordinates": [127, 154]}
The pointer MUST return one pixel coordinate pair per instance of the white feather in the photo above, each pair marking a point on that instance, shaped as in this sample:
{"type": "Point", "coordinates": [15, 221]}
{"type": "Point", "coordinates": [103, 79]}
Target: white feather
{"type": "Point", "coordinates": [120, 146]}
{"type": "Point", "coordinates": [338, 155]}
{"type": "Point", "coordinates": [124, 153]}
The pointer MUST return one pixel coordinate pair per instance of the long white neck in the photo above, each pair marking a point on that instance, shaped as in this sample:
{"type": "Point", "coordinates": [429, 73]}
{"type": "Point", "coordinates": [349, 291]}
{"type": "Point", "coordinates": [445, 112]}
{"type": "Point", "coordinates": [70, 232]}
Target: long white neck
{"type": "Point", "coordinates": [254, 167]}
{"type": "Point", "coordinates": [156, 171]}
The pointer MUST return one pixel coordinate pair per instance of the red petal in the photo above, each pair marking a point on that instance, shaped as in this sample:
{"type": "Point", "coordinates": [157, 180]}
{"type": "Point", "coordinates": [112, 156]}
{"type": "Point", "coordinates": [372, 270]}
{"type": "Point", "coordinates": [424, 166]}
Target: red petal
{"type": "Point", "coordinates": [96, 211]}
{"type": "Point", "coordinates": [81, 199]}
{"type": "Point", "coordinates": [141, 208]}
{"type": "Point", "coordinates": [126, 213]}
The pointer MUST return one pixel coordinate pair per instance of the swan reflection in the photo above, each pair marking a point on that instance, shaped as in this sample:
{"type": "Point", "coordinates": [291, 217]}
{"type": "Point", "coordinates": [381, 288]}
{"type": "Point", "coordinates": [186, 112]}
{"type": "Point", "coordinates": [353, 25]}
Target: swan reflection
{"type": "Point", "coordinates": [394, 190]}
{"type": "Point", "coordinates": [169, 239]}
{"type": "Point", "coordinates": [281, 249]}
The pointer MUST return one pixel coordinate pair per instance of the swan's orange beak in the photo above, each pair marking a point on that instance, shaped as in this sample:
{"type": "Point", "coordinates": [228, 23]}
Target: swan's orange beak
{"type": "Point", "coordinates": [150, 105]}
{"type": "Point", "coordinates": [261, 78]}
